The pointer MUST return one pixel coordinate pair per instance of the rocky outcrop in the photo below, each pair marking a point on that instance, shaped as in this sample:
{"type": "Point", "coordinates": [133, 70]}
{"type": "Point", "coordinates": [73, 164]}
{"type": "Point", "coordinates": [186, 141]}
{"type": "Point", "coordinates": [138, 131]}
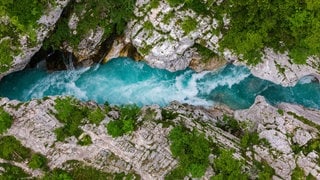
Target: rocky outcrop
{"type": "Point", "coordinates": [159, 36]}
{"type": "Point", "coordinates": [147, 150]}
{"type": "Point", "coordinates": [46, 24]}
{"type": "Point", "coordinates": [285, 128]}
{"type": "Point", "coordinates": [280, 69]}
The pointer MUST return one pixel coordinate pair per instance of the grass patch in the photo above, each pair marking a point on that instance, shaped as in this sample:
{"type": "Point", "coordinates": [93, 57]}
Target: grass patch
{"type": "Point", "coordinates": [85, 140]}
{"type": "Point", "coordinates": [192, 150]}
{"type": "Point", "coordinates": [5, 120]}
{"type": "Point", "coordinates": [154, 4]}
{"type": "Point", "coordinates": [188, 25]}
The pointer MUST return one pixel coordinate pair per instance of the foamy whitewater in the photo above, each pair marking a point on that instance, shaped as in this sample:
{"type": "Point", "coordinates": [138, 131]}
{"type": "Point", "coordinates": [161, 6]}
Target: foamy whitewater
{"type": "Point", "coordinates": [123, 81]}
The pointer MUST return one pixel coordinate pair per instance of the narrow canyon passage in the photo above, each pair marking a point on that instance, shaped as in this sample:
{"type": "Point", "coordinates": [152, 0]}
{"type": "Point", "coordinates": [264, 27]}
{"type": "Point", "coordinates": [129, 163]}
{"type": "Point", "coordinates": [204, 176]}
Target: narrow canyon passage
{"type": "Point", "coordinates": [123, 81]}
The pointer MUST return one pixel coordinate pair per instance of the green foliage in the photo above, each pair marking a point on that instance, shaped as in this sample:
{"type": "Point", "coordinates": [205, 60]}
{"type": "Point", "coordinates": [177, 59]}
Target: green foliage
{"type": "Point", "coordinates": [5, 120]}
{"type": "Point", "coordinates": [304, 120]}
{"type": "Point", "coordinates": [282, 25]}
{"type": "Point", "coordinates": [11, 172]}
{"type": "Point", "coordinates": [57, 174]}
{"type": "Point", "coordinates": [298, 174]}
{"type": "Point", "coordinates": [85, 140]}
{"type": "Point", "coordinates": [148, 26]}
{"type": "Point", "coordinates": [108, 14]}
{"type": "Point", "coordinates": [167, 17]}
{"type": "Point", "coordinates": [12, 149]}
{"type": "Point", "coordinates": [249, 139]}
{"type": "Point", "coordinates": [188, 25]}
{"type": "Point", "coordinates": [96, 116]}
{"type": "Point", "coordinates": [175, 3]}
{"type": "Point", "coordinates": [5, 55]}
{"type": "Point", "coordinates": [226, 167]}
{"type": "Point", "coordinates": [126, 123]}
{"type": "Point", "coordinates": [38, 161]}
{"type": "Point", "coordinates": [154, 3]}
{"type": "Point", "coordinates": [264, 170]}
{"type": "Point", "coordinates": [192, 150]}
{"type": "Point", "coordinates": [73, 114]}
{"type": "Point", "coordinates": [205, 53]}
{"type": "Point", "coordinates": [312, 145]}
{"type": "Point", "coordinates": [230, 124]}
{"type": "Point", "coordinates": [78, 170]}
{"type": "Point", "coordinates": [168, 114]}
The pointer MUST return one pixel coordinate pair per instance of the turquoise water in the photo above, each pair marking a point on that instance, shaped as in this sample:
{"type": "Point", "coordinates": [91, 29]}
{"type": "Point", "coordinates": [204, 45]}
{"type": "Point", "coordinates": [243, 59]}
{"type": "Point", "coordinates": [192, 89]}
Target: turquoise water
{"type": "Point", "coordinates": [123, 81]}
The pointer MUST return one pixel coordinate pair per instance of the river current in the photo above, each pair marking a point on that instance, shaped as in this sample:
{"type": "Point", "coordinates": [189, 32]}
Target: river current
{"type": "Point", "coordinates": [123, 81]}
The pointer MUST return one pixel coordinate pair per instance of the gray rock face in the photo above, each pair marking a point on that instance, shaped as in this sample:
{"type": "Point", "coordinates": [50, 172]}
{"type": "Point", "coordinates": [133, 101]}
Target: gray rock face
{"type": "Point", "coordinates": [282, 128]}
{"type": "Point", "coordinates": [147, 150]}
{"type": "Point", "coordinates": [47, 23]}
{"type": "Point", "coordinates": [279, 68]}
{"type": "Point", "coordinates": [163, 43]}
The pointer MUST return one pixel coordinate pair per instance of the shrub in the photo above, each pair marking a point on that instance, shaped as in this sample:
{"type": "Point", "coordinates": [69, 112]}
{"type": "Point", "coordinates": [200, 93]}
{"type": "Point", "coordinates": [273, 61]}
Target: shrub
{"type": "Point", "coordinates": [226, 167]}
{"type": "Point", "coordinates": [12, 172]}
{"type": "Point", "coordinates": [38, 161]}
{"type": "Point", "coordinates": [96, 116]}
{"type": "Point", "coordinates": [12, 149]}
{"type": "Point", "coordinates": [230, 124]}
{"type": "Point", "coordinates": [168, 114]}
{"type": "Point", "coordinates": [192, 150]}
{"type": "Point", "coordinates": [85, 140]}
{"type": "Point", "coordinates": [5, 120]}
{"type": "Point", "coordinates": [188, 25]}
{"type": "Point", "coordinates": [5, 55]}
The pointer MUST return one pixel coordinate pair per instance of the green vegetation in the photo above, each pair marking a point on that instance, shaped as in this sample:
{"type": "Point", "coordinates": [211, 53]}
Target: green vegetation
{"type": "Point", "coordinates": [85, 140]}
{"type": "Point", "coordinates": [167, 17]}
{"type": "Point", "coordinates": [126, 122]}
{"type": "Point", "coordinates": [192, 149]}
{"type": "Point", "coordinates": [145, 50]}
{"type": "Point", "coordinates": [112, 15]}
{"type": "Point", "coordinates": [80, 171]}
{"type": "Point", "coordinates": [205, 53]}
{"type": "Point", "coordinates": [227, 167]}
{"type": "Point", "coordinates": [168, 114]}
{"type": "Point", "coordinates": [72, 114]}
{"type": "Point", "coordinates": [298, 174]}
{"type": "Point", "coordinates": [148, 26]}
{"type": "Point", "coordinates": [12, 149]}
{"type": "Point", "coordinates": [38, 161]}
{"type": "Point", "coordinates": [154, 3]}
{"type": "Point", "coordinates": [264, 170]}
{"type": "Point", "coordinates": [5, 120]}
{"type": "Point", "coordinates": [11, 172]}
{"type": "Point", "coordinates": [188, 25]}
{"type": "Point", "coordinates": [282, 25]}
{"type": "Point", "coordinates": [304, 120]}
{"type": "Point", "coordinates": [230, 124]}
{"type": "Point", "coordinates": [5, 55]}
{"type": "Point", "coordinates": [249, 139]}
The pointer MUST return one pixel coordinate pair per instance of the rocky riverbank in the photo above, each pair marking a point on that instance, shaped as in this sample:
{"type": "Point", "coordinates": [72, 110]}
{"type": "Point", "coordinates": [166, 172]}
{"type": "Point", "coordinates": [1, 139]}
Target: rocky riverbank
{"type": "Point", "coordinates": [288, 138]}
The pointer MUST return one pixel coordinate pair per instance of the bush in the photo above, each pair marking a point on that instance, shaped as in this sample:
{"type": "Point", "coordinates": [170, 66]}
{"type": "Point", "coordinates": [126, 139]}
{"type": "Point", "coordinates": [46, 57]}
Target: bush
{"type": "Point", "coordinates": [5, 120]}
{"type": "Point", "coordinates": [73, 114]}
{"type": "Point", "coordinates": [12, 149]}
{"type": "Point", "coordinates": [85, 140]}
{"type": "Point", "coordinates": [189, 25]}
{"type": "Point", "coordinates": [38, 161]}
{"type": "Point", "coordinates": [226, 167]}
{"type": "Point", "coordinates": [192, 150]}
{"type": "Point", "coordinates": [11, 172]}
{"type": "Point", "coordinates": [230, 124]}
{"type": "Point", "coordinates": [5, 55]}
